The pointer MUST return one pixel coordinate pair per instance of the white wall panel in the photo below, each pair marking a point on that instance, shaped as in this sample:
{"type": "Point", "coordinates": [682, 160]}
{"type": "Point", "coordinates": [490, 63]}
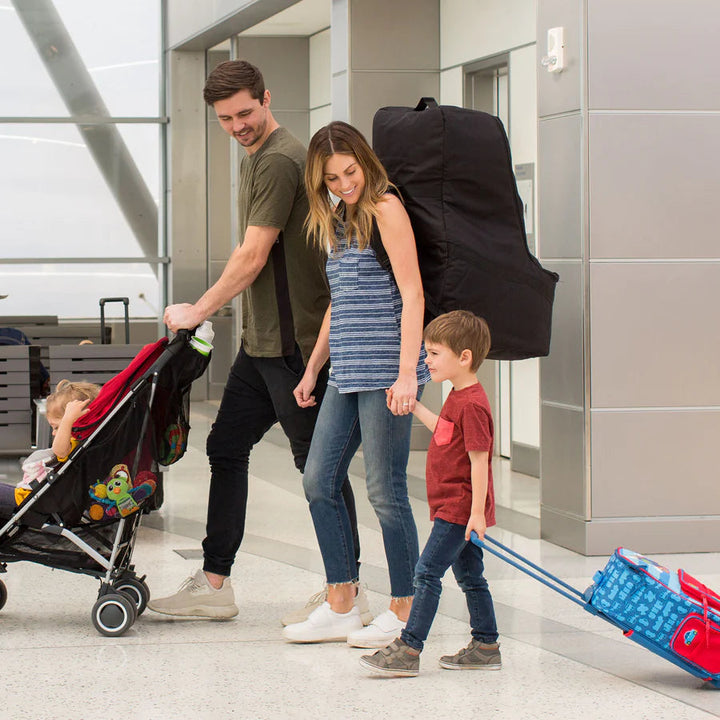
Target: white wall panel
{"type": "Point", "coordinates": [561, 92]}
{"type": "Point", "coordinates": [320, 75]}
{"type": "Point", "coordinates": [654, 338]}
{"type": "Point", "coordinates": [319, 118]}
{"type": "Point", "coordinates": [472, 29]}
{"type": "Point", "coordinates": [653, 54]}
{"type": "Point", "coordinates": [523, 105]}
{"type": "Point", "coordinates": [654, 179]}
{"type": "Point", "coordinates": [641, 458]}
{"type": "Point", "coordinates": [451, 87]}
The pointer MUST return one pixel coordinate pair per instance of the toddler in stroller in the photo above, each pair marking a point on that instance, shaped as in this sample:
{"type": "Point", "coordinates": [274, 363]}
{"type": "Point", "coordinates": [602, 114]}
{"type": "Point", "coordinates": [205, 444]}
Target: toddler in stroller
{"type": "Point", "coordinates": [64, 407]}
{"type": "Point", "coordinates": [84, 513]}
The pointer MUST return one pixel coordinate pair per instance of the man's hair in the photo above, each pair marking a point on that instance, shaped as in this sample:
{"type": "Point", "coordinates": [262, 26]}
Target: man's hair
{"type": "Point", "coordinates": [232, 76]}
{"type": "Point", "coordinates": [461, 330]}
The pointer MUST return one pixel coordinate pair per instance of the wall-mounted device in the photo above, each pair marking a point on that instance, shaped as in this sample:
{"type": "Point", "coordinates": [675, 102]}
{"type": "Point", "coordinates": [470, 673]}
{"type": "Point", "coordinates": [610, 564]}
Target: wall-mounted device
{"type": "Point", "coordinates": [554, 61]}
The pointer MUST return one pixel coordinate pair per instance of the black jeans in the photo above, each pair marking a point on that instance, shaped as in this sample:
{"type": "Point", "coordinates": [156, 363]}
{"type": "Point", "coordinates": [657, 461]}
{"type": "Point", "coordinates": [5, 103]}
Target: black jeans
{"type": "Point", "coordinates": [258, 394]}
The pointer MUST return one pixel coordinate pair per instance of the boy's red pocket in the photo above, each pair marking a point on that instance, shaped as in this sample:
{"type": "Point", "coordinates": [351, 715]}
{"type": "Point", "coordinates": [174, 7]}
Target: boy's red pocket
{"type": "Point", "coordinates": [443, 431]}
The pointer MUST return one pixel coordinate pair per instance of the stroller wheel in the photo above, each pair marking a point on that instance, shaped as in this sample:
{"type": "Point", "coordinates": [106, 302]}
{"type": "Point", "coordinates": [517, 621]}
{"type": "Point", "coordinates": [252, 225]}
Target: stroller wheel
{"type": "Point", "coordinates": [3, 594]}
{"type": "Point", "coordinates": [113, 614]}
{"type": "Point", "coordinates": [137, 590]}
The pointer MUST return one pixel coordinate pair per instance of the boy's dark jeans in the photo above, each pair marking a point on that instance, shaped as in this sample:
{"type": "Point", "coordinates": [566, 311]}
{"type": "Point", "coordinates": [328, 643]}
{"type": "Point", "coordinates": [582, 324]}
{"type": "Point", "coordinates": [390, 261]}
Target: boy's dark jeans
{"type": "Point", "coordinates": [258, 393]}
{"type": "Point", "coordinates": [446, 547]}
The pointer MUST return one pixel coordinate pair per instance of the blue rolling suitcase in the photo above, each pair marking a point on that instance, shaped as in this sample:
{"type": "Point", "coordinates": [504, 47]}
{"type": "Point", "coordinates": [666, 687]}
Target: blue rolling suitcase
{"type": "Point", "coordinates": [668, 612]}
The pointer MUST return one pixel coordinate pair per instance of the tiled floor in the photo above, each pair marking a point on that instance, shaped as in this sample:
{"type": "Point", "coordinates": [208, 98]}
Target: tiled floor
{"type": "Point", "coordinates": [559, 661]}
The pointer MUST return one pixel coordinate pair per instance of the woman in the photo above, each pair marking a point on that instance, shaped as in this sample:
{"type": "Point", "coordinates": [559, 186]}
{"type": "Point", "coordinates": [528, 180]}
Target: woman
{"type": "Point", "coordinates": [372, 333]}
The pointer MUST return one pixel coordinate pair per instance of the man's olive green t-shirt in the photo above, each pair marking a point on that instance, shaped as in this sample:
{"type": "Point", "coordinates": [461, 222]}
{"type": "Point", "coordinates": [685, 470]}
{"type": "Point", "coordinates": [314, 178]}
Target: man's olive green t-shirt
{"type": "Point", "coordinates": [272, 194]}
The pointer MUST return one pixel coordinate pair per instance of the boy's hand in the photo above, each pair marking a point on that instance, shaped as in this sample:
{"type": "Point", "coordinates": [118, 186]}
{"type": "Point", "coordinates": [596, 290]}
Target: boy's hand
{"type": "Point", "coordinates": [476, 523]}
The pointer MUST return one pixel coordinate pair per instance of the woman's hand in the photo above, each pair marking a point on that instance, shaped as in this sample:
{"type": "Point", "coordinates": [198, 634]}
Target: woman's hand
{"type": "Point", "coordinates": [303, 391]}
{"type": "Point", "coordinates": [402, 395]}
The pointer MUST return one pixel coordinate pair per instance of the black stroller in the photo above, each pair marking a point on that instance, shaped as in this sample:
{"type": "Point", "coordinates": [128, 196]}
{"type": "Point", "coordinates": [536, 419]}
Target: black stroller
{"type": "Point", "coordinates": [84, 515]}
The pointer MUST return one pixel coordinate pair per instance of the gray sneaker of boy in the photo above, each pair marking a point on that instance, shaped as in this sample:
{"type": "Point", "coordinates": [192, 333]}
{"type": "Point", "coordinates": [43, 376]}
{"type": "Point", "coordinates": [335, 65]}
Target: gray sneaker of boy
{"type": "Point", "coordinates": [396, 660]}
{"type": "Point", "coordinates": [476, 656]}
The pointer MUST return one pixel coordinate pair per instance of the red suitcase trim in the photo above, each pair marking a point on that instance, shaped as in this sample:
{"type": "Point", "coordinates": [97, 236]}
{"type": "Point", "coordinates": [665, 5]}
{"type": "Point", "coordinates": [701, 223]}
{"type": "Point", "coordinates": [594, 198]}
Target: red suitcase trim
{"type": "Point", "coordinates": [698, 641]}
{"type": "Point", "coordinates": [696, 590]}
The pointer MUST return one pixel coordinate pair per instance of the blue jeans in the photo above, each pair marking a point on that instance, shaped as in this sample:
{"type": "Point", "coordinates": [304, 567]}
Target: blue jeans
{"type": "Point", "coordinates": [346, 420]}
{"type": "Point", "coordinates": [447, 547]}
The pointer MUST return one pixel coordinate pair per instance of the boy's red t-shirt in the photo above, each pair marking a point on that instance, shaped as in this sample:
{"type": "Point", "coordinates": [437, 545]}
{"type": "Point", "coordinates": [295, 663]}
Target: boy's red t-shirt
{"type": "Point", "coordinates": [465, 424]}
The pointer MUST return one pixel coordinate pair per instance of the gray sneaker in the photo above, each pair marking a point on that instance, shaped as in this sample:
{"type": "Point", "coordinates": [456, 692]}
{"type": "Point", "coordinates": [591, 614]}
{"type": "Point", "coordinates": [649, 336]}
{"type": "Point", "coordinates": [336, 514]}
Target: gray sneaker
{"type": "Point", "coordinates": [476, 656]}
{"type": "Point", "coordinates": [302, 614]}
{"type": "Point", "coordinates": [396, 660]}
{"type": "Point", "coordinates": [198, 598]}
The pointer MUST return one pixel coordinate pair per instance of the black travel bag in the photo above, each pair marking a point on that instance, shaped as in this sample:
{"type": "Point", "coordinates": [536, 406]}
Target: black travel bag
{"type": "Point", "coordinates": [453, 169]}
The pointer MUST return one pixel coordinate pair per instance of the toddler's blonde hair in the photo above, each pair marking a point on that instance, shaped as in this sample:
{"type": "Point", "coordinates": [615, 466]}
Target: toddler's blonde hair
{"type": "Point", "coordinates": [68, 390]}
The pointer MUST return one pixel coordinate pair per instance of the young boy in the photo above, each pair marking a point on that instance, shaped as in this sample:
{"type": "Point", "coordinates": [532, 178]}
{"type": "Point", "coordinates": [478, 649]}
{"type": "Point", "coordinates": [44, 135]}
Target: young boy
{"type": "Point", "coordinates": [461, 499]}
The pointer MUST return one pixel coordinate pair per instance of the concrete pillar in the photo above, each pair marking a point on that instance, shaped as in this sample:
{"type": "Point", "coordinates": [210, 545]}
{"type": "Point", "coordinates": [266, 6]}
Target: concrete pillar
{"type": "Point", "coordinates": [628, 144]}
{"type": "Point", "coordinates": [383, 53]}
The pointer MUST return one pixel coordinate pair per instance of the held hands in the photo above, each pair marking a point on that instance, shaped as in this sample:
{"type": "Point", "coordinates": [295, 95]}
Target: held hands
{"type": "Point", "coordinates": [476, 523]}
{"type": "Point", "coordinates": [181, 316]}
{"type": "Point", "coordinates": [402, 395]}
{"type": "Point", "coordinates": [303, 391]}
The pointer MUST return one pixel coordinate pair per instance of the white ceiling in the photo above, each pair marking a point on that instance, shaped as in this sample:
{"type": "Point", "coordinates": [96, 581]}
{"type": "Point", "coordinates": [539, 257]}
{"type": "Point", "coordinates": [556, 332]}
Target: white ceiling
{"type": "Point", "coordinates": [304, 18]}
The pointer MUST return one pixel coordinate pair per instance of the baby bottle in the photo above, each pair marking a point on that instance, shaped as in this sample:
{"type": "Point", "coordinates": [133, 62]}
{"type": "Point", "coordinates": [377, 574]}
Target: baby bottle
{"type": "Point", "coordinates": [203, 337]}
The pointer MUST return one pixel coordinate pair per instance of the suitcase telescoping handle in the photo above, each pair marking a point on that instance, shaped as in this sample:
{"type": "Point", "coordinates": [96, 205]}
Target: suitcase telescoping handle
{"type": "Point", "coordinates": [524, 565]}
{"type": "Point", "coordinates": [125, 301]}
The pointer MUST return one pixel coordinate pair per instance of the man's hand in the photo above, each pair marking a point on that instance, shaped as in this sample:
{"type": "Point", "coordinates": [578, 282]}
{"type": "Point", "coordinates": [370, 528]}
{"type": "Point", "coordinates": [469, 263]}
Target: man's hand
{"type": "Point", "coordinates": [183, 315]}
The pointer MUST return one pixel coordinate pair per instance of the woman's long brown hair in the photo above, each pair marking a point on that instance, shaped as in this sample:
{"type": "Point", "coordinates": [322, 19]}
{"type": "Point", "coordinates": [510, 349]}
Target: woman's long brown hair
{"type": "Point", "coordinates": [343, 139]}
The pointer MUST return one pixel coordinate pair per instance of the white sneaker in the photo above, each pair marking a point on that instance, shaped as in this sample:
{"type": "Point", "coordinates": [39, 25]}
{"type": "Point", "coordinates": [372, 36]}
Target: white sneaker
{"type": "Point", "coordinates": [324, 625]}
{"type": "Point", "coordinates": [379, 633]}
{"type": "Point", "coordinates": [198, 598]}
{"type": "Point", "coordinates": [361, 602]}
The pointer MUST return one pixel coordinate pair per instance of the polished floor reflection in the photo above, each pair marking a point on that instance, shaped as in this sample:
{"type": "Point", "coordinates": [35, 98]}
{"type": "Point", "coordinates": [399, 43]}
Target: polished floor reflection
{"type": "Point", "coordinates": [559, 661]}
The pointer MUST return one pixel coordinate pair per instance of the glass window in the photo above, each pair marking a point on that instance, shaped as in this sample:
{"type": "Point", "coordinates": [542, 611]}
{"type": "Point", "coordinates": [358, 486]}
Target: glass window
{"type": "Point", "coordinates": [88, 187]}
{"type": "Point", "coordinates": [74, 290]}
{"type": "Point", "coordinates": [118, 43]}
{"type": "Point", "coordinates": [57, 202]}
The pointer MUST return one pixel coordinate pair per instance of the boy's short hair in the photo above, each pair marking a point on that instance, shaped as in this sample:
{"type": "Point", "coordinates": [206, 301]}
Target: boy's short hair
{"type": "Point", "coordinates": [461, 330]}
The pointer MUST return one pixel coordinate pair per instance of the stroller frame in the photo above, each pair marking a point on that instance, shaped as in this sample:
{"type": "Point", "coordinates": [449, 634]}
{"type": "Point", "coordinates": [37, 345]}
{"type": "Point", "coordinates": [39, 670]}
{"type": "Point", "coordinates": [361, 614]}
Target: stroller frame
{"type": "Point", "coordinates": [122, 596]}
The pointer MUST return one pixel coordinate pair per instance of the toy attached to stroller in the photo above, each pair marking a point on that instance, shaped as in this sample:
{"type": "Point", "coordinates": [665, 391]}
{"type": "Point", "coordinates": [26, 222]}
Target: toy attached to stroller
{"type": "Point", "coordinates": [83, 515]}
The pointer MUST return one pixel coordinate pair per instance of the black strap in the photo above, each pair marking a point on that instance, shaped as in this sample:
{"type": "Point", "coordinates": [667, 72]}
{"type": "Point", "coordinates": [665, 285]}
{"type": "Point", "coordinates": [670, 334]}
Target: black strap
{"type": "Point", "coordinates": [282, 294]}
{"type": "Point", "coordinates": [376, 242]}
{"type": "Point", "coordinates": [425, 103]}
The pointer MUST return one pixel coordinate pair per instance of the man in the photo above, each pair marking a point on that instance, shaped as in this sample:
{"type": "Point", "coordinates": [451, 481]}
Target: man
{"type": "Point", "coordinates": [284, 298]}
